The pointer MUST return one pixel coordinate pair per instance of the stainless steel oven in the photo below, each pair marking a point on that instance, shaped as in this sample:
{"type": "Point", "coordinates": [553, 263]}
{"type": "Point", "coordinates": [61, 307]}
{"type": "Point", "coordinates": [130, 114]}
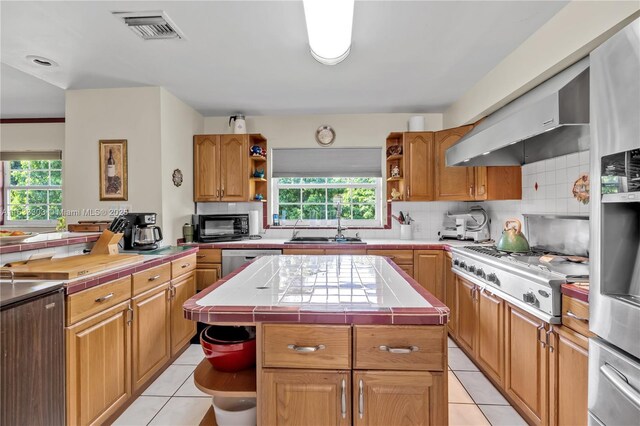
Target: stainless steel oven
{"type": "Point", "coordinates": [221, 227]}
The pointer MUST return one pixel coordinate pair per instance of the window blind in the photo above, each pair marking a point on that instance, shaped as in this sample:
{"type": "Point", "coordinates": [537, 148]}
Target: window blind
{"type": "Point", "coordinates": [30, 155]}
{"type": "Point", "coordinates": [327, 162]}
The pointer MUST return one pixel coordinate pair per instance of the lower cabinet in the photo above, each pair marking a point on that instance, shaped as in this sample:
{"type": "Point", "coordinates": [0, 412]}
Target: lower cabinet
{"type": "Point", "coordinates": [207, 275]}
{"type": "Point", "coordinates": [151, 334]}
{"type": "Point", "coordinates": [182, 329]}
{"type": "Point", "coordinates": [450, 294]}
{"type": "Point", "coordinates": [398, 398]}
{"type": "Point", "coordinates": [490, 343]}
{"type": "Point", "coordinates": [98, 365]}
{"type": "Point", "coordinates": [526, 366]}
{"type": "Point", "coordinates": [427, 270]}
{"type": "Point", "coordinates": [467, 315]}
{"type": "Point", "coordinates": [306, 397]}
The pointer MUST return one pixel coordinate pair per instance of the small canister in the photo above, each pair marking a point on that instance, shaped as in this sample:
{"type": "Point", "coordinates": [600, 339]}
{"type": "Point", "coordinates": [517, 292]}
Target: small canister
{"type": "Point", "coordinates": [187, 232]}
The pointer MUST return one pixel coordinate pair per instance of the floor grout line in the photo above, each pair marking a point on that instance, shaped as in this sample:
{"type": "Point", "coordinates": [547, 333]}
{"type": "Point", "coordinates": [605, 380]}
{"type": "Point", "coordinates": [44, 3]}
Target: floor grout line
{"type": "Point", "coordinates": [158, 412]}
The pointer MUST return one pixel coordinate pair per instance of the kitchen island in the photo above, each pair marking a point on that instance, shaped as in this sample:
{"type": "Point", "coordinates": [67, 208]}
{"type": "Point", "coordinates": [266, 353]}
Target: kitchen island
{"type": "Point", "coordinates": [340, 340]}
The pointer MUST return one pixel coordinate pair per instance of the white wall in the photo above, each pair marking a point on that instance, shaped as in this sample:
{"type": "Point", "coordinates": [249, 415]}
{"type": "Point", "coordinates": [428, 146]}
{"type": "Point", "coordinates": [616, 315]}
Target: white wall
{"type": "Point", "coordinates": [178, 123]}
{"type": "Point", "coordinates": [132, 114]}
{"type": "Point", "coordinates": [32, 136]}
{"type": "Point", "coordinates": [567, 37]}
{"type": "Point", "coordinates": [352, 130]}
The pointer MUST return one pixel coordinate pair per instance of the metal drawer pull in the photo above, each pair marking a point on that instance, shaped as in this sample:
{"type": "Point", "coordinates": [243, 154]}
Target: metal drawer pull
{"type": "Point", "coordinates": [540, 327]}
{"type": "Point", "coordinates": [360, 399]}
{"type": "Point", "coordinates": [621, 383]}
{"type": "Point", "coordinates": [153, 278]}
{"type": "Point", "coordinates": [574, 316]}
{"type": "Point", "coordinates": [186, 265]}
{"type": "Point", "coordinates": [343, 399]}
{"type": "Point", "coordinates": [401, 350]}
{"type": "Point", "coordinates": [103, 298]}
{"type": "Point", "coordinates": [305, 348]}
{"type": "Point", "coordinates": [200, 256]}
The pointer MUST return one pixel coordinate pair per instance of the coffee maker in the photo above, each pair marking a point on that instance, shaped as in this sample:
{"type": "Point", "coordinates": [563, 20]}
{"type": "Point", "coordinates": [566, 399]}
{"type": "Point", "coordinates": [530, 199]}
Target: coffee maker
{"type": "Point", "coordinates": [141, 232]}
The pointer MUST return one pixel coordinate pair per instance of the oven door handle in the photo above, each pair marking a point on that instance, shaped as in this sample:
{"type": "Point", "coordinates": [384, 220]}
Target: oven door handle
{"type": "Point", "coordinates": [619, 380]}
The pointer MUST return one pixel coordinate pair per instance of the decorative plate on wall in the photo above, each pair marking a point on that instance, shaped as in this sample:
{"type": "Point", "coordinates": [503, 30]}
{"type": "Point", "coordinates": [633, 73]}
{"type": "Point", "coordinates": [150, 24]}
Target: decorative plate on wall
{"type": "Point", "coordinates": [581, 189]}
{"type": "Point", "coordinates": [325, 135]}
{"type": "Point", "coordinates": [177, 177]}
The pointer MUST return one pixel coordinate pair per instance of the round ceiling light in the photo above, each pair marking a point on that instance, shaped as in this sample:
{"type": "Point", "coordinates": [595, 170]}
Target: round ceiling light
{"type": "Point", "coordinates": [41, 61]}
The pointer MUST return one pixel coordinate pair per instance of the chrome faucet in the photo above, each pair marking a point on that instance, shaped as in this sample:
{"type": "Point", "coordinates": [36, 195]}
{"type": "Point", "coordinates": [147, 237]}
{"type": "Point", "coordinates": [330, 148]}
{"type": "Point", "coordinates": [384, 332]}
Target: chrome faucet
{"type": "Point", "coordinates": [295, 233]}
{"type": "Point", "coordinates": [339, 234]}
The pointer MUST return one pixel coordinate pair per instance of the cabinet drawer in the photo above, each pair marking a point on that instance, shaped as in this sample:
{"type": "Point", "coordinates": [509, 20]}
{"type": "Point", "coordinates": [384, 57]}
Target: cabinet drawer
{"type": "Point", "coordinates": [408, 269]}
{"type": "Point", "coordinates": [183, 265]}
{"type": "Point", "coordinates": [575, 315]}
{"type": "Point", "coordinates": [399, 257]}
{"type": "Point", "coordinates": [307, 346]}
{"type": "Point", "coordinates": [88, 302]}
{"type": "Point", "coordinates": [209, 256]}
{"type": "Point", "coordinates": [399, 347]}
{"type": "Point", "coordinates": [152, 277]}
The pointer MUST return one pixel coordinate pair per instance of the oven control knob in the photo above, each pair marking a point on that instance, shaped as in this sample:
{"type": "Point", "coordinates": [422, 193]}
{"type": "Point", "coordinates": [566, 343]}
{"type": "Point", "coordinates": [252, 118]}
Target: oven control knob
{"type": "Point", "coordinates": [530, 298]}
{"type": "Point", "coordinates": [471, 269]}
{"type": "Point", "coordinates": [463, 265]}
{"type": "Point", "coordinates": [493, 278]}
{"type": "Point", "coordinates": [480, 272]}
{"type": "Point", "coordinates": [456, 262]}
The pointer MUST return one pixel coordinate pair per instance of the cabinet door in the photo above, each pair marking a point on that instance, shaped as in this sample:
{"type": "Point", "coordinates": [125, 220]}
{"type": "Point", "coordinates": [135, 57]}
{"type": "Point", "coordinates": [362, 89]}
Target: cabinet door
{"type": "Point", "coordinates": [498, 183]}
{"type": "Point", "coordinates": [480, 183]}
{"type": "Point", "coordinates": [490, 351]}
{"type": "Point", "coordinates": [568, 367]}
{"type": "Point", "coordinates": [98, 366]}
{"type": "Point", "coordinates": [452, 183]}
{"type": "Point", "coordinates": [151, 334]}
{"type": "Point", "coordinates": [450, 291]}
{"type": "Point", "coordinates": [234, 168]}
{"type": "Point", "coordinates": [32, 368]}
{"type": "Point", "coordinates": [526, 369]}
{"type": "Point", "coordinates": [182, 329]}
{"type": "Point", "coordinates": [467, 315]}
{"type": "Point", "coordinates": [206, 171]}
{"type": "Point", "coordinates": [399, 398]}
{"type": "Point", "coordinates": [418, 161]}
{"type": "Point", "coordinates": [205, 276]}
{"type": "Point", "coordinates": [427, 270]}
{"type": "Point", "coordinates": [305, 397]}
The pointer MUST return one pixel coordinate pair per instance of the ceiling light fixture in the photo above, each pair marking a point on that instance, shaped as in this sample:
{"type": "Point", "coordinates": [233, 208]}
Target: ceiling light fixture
{"type": "Point", "coordinates": [329, 24]}
{"type": "Point", "coordinates": [41, 61]}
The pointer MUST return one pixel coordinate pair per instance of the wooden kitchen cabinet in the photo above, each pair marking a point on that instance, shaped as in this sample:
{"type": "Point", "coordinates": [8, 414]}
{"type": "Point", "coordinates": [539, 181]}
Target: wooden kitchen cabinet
{"type": "Point", "coordinates": [568, 369]}
{"type": "Point", "coordinates": [182, 329]}
{"type": "Point", "coordinates": [398, 398]}
{"type": "Point", "coordinates": [498, 183]}
{"type": "Point", "coordinates": [490, 343]}
{"type": "Point", "coordinates": [208, 267]}
{"type": "Point", "coordinates": [221, 165]}
{"type": "Point", "coordinates": [427, 270]}
{"type": "Point", "coordinates": [306, 397]}
{"type": "Point", "coordinates": [452, 183]}
{"type": "Point", "coordinates": [418, 164]}
{"type": "Point", "coordinates": [467, 315]}
{"type": "Point", "coordinates": [450, 295]}
{"type": "Point", "coordinates": [526, 364]}
{"type": "Point", "coordinates": [151, 333]}
{"type": "Point", "coordinates": [98, 365]}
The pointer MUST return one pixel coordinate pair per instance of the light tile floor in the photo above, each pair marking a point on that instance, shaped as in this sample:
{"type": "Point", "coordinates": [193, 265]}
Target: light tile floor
{"type": "Point", "coordinates": [173, 399]}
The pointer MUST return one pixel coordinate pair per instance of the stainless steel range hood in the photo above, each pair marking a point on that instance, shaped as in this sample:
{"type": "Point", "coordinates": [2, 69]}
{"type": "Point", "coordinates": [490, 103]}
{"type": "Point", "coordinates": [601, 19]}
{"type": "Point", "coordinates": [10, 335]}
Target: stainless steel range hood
{"type": "Point", "coordinates": [550, 120]}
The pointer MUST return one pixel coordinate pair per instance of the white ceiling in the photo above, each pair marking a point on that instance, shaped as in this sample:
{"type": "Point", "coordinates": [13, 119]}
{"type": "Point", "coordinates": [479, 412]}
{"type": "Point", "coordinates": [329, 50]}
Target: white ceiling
{"type": "Point", "coordinates": [252, 57]}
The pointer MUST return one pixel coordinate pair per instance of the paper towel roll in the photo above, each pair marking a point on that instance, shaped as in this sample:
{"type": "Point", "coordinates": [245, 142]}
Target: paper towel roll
{"type": "Point", "coordinates": [254, 222]}
{"type": "Point", "coordinates": [416, 123]}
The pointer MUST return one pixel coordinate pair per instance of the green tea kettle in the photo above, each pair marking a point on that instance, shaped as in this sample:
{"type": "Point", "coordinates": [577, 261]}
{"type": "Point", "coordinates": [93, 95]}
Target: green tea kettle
{"type": "Point", "coordinates": [512, 240]}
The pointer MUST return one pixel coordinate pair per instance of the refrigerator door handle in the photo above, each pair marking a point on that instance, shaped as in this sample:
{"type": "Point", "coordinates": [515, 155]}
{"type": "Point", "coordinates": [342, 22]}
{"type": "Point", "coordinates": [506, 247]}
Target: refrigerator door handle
{"type": "Point", "coordinates": [620, 382]}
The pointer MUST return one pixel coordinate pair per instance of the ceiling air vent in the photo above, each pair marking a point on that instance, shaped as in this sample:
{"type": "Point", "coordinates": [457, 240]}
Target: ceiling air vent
{"type": "Point", "coordinates": [154, 25]}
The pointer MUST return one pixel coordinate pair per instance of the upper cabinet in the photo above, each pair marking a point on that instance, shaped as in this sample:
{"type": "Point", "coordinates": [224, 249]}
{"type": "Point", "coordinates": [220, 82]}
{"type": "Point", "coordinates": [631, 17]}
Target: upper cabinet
{"type": "Point", "coordinates": [225, 170]}
{"type": "Point", "coordinates": [417, 171]}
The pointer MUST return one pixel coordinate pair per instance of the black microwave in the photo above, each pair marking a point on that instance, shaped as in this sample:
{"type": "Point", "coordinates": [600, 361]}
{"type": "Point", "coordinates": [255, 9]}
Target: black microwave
{"type": "Point", "coordinates": [221, 227]}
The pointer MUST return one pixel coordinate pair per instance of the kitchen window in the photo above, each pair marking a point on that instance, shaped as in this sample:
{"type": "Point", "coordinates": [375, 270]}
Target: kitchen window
{"type": "Point", "coordinates": [312, 200]}
{"type": "Point", "coordinates": [32, 192]}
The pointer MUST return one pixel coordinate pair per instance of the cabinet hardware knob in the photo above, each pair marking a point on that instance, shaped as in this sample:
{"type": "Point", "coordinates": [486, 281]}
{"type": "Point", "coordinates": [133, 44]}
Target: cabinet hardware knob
{"type": "Point", "coordinates": [408, 192]}
{"type": "Point", "coordinates": [200, 256]}
{"type": "Point", "coordinates": [186, 265]}
{"type": "Point", "coordinates": [540, 327]}
{"type": "Point", "coordinates": [399, 350]}
{"type": "Point", "coordinates": [306, 348]}
{"type": "Point", "coordinates": [548, 333]}
{"type": "Point", "coordinates": [217, 193]}
{"type": "Point", "coordinates": [343, 399]}
{"type": "Point", "coordinates": [129, 315]}
{"type": "Point", "coordinates": [153, 278]}
{"type": "Point", "coordinates": [576, 317]}
{"type": "Point", "coordinates": [105, 297]}
{"type": "Point", "coordinates": [360, 399]}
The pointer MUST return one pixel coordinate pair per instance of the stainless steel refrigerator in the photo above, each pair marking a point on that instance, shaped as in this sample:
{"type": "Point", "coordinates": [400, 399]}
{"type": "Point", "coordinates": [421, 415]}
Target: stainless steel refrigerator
{"type": "Point", "coordinates": [614, 296]}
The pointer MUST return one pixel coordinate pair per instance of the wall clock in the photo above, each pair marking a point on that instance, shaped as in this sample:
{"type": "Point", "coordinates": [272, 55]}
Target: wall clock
{"type": "Point", "coordinates": [325, 135]}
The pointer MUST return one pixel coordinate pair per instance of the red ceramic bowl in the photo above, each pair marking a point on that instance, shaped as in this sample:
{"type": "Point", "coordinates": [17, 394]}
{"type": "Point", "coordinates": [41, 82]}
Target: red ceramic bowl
{"type": "Point", "coordinates": [229, 357]}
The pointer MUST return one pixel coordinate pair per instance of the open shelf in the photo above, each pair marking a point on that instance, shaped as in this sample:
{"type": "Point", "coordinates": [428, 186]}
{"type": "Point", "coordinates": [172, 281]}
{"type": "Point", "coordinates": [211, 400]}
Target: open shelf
{"type": "Point", "coordinates": [255, 179]}
{"type": "Point", "coordinates": [394, 157]}
{"type": "Point", "coordinates": [257, 159]}
{"type": "Point", "coordinates": [394, 179]}
{"type": "Point", "coordinates": [240, 384]}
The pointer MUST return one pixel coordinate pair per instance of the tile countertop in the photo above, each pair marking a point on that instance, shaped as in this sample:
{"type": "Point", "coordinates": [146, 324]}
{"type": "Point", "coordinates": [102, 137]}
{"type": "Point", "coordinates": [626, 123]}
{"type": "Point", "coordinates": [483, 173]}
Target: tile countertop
{"type": "Point", "coordinates": [318, 289]}
{"type": "Point", "coordinates": [148, 260]}
{"type": "Point", "coordinates": [371, 244]}
{"type": "Point", "coordinates": [577, 292]}
{"type": "Point", "coordinates": [50, 239]}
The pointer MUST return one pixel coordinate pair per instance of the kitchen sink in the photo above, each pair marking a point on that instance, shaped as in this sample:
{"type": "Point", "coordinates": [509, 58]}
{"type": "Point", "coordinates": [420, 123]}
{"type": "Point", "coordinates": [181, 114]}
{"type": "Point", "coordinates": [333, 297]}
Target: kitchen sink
{"type": "Point", "coordinates": [325, 240]}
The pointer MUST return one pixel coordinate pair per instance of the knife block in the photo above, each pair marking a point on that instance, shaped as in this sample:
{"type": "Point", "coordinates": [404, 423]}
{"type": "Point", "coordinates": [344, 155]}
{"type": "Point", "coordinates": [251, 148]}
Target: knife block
{"type": "Point", "coordinates": [107, 243]}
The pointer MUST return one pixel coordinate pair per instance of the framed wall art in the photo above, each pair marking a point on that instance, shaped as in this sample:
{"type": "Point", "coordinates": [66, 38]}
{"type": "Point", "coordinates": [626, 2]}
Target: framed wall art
{"type": "Point", "coordinates": [113, 170]}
